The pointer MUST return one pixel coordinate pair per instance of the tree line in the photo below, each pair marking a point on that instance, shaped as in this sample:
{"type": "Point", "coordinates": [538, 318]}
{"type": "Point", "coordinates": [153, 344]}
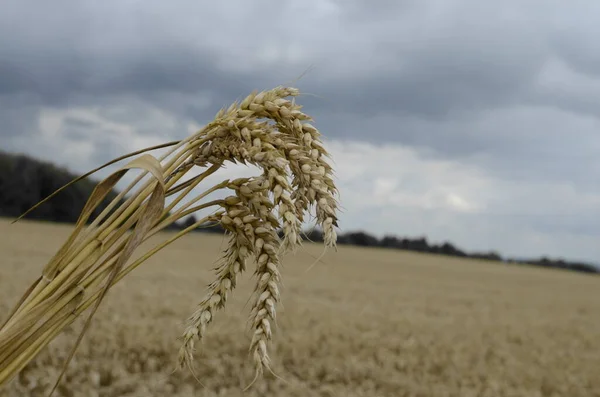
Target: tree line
{"type": "Point", "coordinates": [420, 244]}
{"type": "Point", "coordinates": [24, 181]}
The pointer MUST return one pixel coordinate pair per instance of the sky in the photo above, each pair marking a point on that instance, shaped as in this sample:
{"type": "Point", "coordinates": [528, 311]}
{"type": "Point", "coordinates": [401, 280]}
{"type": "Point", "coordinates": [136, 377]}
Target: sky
{"type": "Point", "coordinates": [465, 121]}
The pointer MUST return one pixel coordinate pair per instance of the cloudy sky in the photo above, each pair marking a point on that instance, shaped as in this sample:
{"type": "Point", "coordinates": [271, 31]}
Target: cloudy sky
{"type": "Point", "coordinates": [463, 120]}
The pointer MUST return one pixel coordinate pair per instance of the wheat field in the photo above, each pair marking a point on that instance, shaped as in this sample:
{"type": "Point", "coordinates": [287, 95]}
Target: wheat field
{"type": "Point", "coordinates": [362, 322]}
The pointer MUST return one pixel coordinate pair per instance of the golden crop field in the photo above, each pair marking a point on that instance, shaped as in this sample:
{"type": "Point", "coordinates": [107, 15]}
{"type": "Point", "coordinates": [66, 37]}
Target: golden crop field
{"type": "Point", "coordinates": [364, 322]}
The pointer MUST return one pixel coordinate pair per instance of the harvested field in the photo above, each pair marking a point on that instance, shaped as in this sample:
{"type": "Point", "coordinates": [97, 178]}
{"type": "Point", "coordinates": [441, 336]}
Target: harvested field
{"type": "Point", "coordinates": [365, 322]}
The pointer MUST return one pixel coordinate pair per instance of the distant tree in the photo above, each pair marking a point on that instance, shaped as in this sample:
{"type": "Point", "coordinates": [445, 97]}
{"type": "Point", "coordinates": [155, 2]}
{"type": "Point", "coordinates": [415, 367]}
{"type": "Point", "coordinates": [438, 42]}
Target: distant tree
{"type": "Point", "coordinates": [359, 238]}
{"type": "Point", "coordinates": [25, 181]}
{"type": "Point", "coordinates": [189, 221]}
{"type": "Point", "coordinates": [491, 256]}
{"type": "Point", "coordinates": [314, 235]}
{"type": "Point", "coordinates": [391, 242]}
{"type": "Point", "coordinates": [582, 267]}
{"type": "Point", "coordinates": [419, 244]}
{"type": "Point", "coordinates": [449, 249]}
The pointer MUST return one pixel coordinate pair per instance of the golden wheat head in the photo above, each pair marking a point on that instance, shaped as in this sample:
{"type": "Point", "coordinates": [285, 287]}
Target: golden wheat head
{"type": "Point", "coordinates": [267, 130]}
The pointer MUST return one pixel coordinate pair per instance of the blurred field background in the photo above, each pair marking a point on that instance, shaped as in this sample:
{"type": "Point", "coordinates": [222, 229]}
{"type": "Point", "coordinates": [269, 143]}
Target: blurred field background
{"type": "Point", "coordinates": [364, 322]}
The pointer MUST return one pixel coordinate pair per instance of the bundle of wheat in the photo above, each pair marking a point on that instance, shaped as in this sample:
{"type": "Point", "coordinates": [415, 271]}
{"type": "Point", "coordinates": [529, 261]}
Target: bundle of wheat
{"type": "Point", "coordinates": [267, 130]}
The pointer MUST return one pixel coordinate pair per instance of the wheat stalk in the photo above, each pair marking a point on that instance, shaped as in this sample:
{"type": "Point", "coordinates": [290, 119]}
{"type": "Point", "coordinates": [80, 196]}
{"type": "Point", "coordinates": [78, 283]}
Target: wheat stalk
{"type": "Point", "coordinates": [267, 130]}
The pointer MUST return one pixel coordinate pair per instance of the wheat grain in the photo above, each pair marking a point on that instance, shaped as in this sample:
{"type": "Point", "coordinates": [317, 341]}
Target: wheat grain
{"type": "Point", "coordinates": [266, 129]}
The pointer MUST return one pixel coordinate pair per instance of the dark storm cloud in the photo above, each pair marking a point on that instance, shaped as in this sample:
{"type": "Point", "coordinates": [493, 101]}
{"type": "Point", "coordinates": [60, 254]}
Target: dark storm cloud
{"type": "Point", "coordinates": [503, 95]}
{"type": "Point", "coordinates": [379, 61]}
{"type": "Point", "coordinates": [416, 73]}
{"type": "Point", "coordinates": [574, 37]}
{"type": "Point", "coordinates": [76, 123]}
{"type": "Point", "coordinates": [455, 65]}
{"type": "Point", "coordinates": [18, 120]}
{"type": "Point", "coordinates": [458, 67]}
{"type": "Point", "coordinates": [65, 49]}
{"type": "Point", "coordinates": [56, 80]}
{"type": "Point", "coordinates": [409, 72]}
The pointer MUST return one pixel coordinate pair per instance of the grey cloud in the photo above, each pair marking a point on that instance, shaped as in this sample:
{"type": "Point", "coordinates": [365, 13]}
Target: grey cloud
{"type": "Point", "coordinates": [170, 70]}
{"type": "Point", "coordinates": [466, 60]}
{"type": "Point", "coordinates": [448, 78]}
{"type": "Point", "coordinates": [62, 52]}
{"type": "Point", "coordinates": [455, 65]}
{"type": "Point", "coordinates": [405, 72]}
{"type": "Point", "coordinates": [574, 37]}
{"type": "Point", "coordinates": [18, 121]}
{"type": "Point", "coordinates": [464, 80]}
{"type": "Point", "coordinates": [78, 123]}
